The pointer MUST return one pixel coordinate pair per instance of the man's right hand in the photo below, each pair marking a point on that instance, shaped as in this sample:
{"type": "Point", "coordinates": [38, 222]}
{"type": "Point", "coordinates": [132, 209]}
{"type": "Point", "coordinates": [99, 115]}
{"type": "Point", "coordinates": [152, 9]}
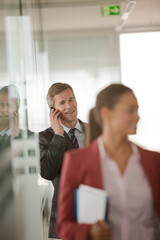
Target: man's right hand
{"type": "Point", "coordinates": [55, 122]}
{"type": "Point", "coordinates": [15, 124]}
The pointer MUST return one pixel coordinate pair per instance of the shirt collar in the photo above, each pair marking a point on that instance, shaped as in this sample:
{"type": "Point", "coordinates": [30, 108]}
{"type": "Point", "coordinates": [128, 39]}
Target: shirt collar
{"type": "Point", "coordinates": [4, 131]}
{"type": "Point", "coordinates": [78, 127]}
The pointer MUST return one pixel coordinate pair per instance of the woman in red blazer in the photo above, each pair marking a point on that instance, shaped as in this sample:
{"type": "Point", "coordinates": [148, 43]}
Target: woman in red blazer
{"type": "Point", "coordinates": [130, 174]}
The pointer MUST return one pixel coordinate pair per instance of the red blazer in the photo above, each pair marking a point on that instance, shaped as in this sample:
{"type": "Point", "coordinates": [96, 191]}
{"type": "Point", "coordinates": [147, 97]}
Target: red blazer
{"type": "Point", "coordinates": [82, 166]}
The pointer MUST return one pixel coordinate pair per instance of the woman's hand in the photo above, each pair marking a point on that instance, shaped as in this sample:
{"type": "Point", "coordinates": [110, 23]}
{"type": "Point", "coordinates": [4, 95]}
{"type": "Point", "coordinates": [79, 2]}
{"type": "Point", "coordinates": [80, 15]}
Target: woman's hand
{"type": "Point", "coordinates": [100, 231]}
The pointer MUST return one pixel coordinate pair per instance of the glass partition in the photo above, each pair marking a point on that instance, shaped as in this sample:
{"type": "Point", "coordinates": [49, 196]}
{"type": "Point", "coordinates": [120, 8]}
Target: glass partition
{"type": "Point", "coordinates": [24, 199]}
{"type": "Point", "coordinates": [31, 59]}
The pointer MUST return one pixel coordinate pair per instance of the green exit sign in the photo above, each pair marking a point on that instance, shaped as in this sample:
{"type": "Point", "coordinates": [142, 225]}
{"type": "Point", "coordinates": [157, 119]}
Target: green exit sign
{"type": "Point", "coordinates": [110, 10]}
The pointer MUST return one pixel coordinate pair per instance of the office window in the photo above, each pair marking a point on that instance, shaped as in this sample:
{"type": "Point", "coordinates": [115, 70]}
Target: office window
{"type": "Point", "coordinates": [140, 58]}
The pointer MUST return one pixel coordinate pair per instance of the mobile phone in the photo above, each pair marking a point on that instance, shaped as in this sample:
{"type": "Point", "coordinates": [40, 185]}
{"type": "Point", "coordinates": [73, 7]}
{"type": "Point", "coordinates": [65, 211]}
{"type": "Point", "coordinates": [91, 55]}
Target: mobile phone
{"type": "Point", "coordinates": [54, 110]}
{"type": "Point", "coordinates": [51, 109]}
{"type": "Point", "coordinates": [12, 115]}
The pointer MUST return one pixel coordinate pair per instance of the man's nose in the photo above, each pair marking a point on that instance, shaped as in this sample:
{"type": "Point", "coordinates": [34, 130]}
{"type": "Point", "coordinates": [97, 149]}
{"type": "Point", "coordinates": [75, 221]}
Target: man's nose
{"type": "Point", "coordinates": [5, 108]}
{"type": "Point", "coordinates": [68, 105]}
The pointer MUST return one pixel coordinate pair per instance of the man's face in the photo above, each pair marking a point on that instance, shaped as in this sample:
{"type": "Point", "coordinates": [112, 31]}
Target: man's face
{"type": "Point", "coordinates": [66, 103]}
{"type": "Point", "coordinates": [7, 107]}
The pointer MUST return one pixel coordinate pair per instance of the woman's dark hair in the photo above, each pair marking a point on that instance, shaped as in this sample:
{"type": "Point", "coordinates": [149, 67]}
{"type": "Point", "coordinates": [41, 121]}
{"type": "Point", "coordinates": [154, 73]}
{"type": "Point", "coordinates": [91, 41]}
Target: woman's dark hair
{"type": "Point", "coordinates": [108, 97]}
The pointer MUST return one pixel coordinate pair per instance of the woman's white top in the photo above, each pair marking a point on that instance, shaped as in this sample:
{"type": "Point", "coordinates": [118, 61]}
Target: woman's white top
{"type": "Point", "coordinates": [131, 211]}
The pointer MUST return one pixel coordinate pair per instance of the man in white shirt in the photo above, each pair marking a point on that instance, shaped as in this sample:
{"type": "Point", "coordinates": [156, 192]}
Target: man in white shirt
{"type": "Point", "coordinates": [9, 116]}
{"type": "Point", "coordinates": [66, 133]}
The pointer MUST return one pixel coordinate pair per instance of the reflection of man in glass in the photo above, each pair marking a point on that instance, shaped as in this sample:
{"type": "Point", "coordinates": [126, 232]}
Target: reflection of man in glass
{"type": "Point", "coordinates": [9, 117]}
{"type": "Point", "coordinates": [9, 130]}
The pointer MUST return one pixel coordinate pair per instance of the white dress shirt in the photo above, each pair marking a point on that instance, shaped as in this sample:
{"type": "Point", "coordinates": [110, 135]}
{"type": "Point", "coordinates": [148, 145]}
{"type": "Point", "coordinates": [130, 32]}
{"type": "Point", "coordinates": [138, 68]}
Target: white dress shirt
{"type": "Point", "coordinates": [4, 131]}
{"type": "Point", "coordinates": [79, 133]}
{"type": "Point", "coordinates": [131, 210]}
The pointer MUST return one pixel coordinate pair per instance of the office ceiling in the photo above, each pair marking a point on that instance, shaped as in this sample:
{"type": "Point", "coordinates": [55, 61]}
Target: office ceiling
{"type": "Point", "coordinates": [76, 14]}
{"type": "Point", "coordinates": [84, 14]}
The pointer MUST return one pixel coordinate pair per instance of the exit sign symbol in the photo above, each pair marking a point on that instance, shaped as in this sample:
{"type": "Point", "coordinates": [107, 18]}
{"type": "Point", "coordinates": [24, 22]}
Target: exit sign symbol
{"type": "Point", "coordinates": [110, 10]}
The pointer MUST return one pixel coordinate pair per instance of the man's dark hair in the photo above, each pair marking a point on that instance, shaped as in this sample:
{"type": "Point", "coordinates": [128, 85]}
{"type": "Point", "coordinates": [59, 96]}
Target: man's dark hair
{"type": "Point", "coordinates": [12, 92]}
